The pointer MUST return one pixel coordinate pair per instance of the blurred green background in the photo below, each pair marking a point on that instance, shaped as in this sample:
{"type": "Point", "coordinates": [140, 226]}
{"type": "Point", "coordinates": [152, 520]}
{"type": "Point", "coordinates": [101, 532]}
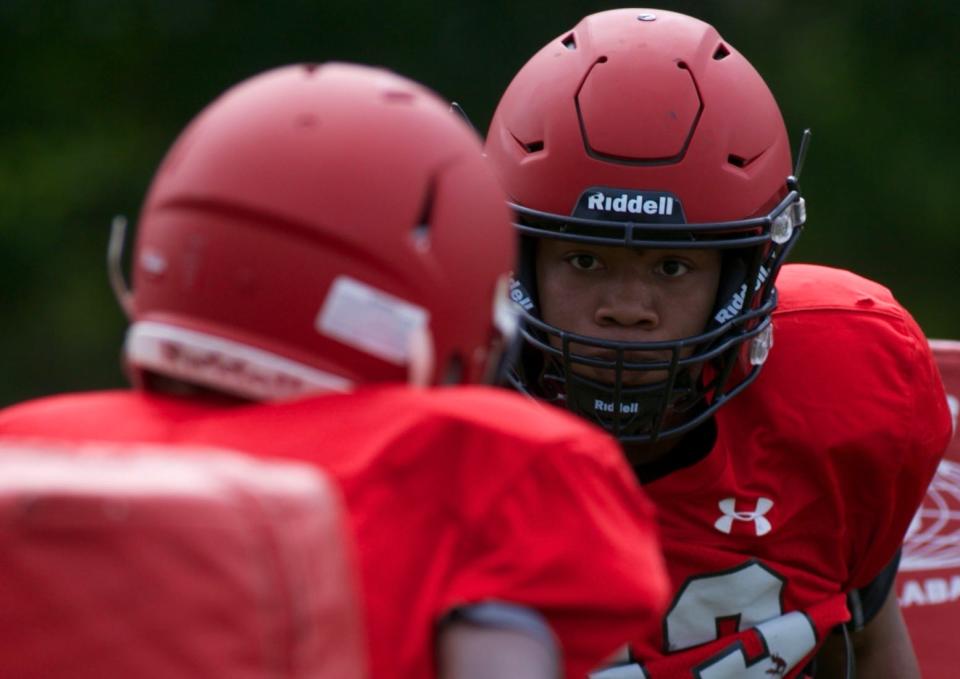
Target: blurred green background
{"type": "Point", "coordinates": [92, 92]}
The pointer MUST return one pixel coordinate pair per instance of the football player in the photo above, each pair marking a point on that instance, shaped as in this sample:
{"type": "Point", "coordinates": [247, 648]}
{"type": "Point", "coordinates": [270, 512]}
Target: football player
{"type": "Point", "coordinates": [322, 255]}
{"type": "Point", "coordinates": [651, 175]}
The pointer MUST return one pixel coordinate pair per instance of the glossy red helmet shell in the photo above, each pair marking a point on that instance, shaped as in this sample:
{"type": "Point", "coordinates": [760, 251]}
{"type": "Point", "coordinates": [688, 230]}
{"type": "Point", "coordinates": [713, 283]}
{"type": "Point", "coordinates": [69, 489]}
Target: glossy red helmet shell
{"type": "Point", "coordinates": [317, 227]}
{"type": "Point", "coordinates": [645, 99]}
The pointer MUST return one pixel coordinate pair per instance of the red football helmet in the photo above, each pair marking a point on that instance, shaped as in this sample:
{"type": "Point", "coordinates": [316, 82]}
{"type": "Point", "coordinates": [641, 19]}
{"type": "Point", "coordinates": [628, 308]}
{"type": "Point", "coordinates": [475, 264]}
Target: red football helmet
{"type": "Point", "coordinates": [645, 129]}
{"type": "Point", "coordinates": [318, 227]}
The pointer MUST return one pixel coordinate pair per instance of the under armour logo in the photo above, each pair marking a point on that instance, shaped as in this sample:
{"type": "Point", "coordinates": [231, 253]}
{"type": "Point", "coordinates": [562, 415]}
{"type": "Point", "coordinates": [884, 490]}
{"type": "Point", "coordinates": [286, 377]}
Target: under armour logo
{"type": "Point", "coordinates": [730, 514]}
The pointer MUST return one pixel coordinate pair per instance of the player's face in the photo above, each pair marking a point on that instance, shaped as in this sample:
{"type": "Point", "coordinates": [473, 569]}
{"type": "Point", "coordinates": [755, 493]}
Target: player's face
{"type": "Point", "coordinates": [626, 295]}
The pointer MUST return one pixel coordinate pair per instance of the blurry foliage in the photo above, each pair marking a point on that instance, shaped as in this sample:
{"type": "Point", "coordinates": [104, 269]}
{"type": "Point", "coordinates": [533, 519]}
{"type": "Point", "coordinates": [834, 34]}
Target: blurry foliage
{"type": "Point", "coordinates": [92, 92]}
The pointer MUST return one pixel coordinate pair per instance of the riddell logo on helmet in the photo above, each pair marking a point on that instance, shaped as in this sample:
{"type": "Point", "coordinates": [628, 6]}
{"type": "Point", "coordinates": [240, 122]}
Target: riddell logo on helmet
{"type": "Point", "coordinates": [644, 206]}
{"type": "Point", "coordinates": [624, 203]}
{"type": "Point", "coordinates": [519, 295]}
{"type": "Point", "coordinates": [735, 304]}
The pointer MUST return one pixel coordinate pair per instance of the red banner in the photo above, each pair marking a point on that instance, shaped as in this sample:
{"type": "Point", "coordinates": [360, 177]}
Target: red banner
{"type": "Point", "coordinates": [928, 584]}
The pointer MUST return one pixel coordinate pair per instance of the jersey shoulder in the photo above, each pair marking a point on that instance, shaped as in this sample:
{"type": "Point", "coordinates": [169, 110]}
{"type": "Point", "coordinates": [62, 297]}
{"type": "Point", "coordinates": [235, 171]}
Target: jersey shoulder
{"type": "Point", "coordinates": [510, 415]}
{"type": "Point", "coordinates": [811, 287]}
{"type": "Point", "coordinates": [849, 370]}
{"type": "Point", "coordinates": [526, 427]}
{"type": "Point", "coordinates": [845, 318]}
{"type": "Point", "coordinates": [125, 414]}
{"type": "Point", "coordinates": [840, 336]}
{"type": "Point", "coordinates": [482, 441]}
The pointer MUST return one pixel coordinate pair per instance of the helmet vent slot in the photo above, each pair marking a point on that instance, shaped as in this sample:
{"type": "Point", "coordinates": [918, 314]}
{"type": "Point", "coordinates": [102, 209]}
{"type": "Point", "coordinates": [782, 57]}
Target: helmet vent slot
{"type": "Point", "coordinates": [737, 161]}
{"type": "Point", "coordinates": [570, 42]}
{"type": "Point", "coordinates": [740, 161]}
{"type": "Point", "coordinates": [722, 52]}
{"type": "Point", "coordinates": [420, 234]}
{"type": "Point", "coordinates": [529, 147]}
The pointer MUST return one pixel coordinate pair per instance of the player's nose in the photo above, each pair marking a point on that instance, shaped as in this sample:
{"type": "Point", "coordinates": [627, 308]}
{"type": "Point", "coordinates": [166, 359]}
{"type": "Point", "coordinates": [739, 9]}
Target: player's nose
{"type": "Point", "coordinates": [629, 304]}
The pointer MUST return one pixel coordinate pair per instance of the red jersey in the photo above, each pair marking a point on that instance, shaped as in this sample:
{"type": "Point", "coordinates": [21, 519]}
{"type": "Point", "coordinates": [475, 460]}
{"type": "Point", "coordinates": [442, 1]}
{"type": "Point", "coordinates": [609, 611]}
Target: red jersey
{"type": "Point", "coordinates": [815, 474]}
{"type": "Point", "coordinates": [132, 561]}
{"type": "Point", "coordinates": [454, 496]}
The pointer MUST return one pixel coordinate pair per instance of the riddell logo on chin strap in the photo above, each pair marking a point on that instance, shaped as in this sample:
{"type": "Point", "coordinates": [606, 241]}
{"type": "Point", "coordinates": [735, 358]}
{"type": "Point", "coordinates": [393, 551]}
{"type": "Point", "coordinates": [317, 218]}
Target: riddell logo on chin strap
{"type": "Point", "coordinates": [602, 406]}
{"type": "Point", "coordinates": [636, 205]}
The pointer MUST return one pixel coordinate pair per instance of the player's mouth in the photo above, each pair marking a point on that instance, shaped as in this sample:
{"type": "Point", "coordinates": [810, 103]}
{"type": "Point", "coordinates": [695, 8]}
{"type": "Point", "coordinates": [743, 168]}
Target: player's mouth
{"type": "Point", "coordinates": [630, 376]}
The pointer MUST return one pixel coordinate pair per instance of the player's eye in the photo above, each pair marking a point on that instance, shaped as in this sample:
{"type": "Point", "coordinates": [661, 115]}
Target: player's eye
{"type": "Point", "coordinates": [583, 261]}
{"type": "Point", "coordinates": [672, 268]}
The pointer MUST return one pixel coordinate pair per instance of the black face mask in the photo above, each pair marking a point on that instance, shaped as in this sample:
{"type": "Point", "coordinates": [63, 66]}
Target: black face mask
{"type": "Point", "coordinates": [701, 372]}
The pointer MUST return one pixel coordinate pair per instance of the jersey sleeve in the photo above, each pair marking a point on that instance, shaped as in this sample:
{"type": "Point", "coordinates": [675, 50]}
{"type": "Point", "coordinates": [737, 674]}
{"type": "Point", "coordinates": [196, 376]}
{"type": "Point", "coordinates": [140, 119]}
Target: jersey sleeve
{"type": "Point", "coordinates": [865, 602]}
{"type": "Point", "coordinates": [573, 538]}
{"type": "Point", "coordinates": [888, 484]}
{"type": "Point", "coordinates": [855, 386]}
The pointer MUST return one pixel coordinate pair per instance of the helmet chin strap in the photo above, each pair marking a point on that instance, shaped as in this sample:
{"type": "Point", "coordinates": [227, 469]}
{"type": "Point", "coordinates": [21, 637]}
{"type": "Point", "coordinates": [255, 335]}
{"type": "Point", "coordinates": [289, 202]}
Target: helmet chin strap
{"type": "Point", "coordinates": [634, 411]}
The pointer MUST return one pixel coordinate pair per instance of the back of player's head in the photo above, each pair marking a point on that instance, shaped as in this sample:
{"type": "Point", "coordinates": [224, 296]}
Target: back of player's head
{"type": "Point", "coordinates": [317, 227]}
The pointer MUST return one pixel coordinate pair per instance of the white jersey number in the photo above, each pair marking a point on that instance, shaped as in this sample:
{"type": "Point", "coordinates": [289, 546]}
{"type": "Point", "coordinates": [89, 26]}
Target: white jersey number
{"type": "Point", "coordinates": [748, 596]}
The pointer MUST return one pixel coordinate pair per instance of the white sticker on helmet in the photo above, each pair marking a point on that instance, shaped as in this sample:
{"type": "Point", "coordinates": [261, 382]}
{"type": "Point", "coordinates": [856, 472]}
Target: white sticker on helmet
{"type": "Point", "coordinates": [223, 364]}
{"type": "Point", "coordinates": [505, 316]}
{"type": "Point", "coordinates": [374, 321]}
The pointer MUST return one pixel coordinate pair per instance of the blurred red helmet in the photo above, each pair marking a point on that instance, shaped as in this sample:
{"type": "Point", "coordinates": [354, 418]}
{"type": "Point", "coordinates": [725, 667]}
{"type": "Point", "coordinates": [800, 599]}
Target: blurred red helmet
{"type": "Point", "coordinates": [318, 227]}
{"type": "Point", "coordinates": [645, 129]}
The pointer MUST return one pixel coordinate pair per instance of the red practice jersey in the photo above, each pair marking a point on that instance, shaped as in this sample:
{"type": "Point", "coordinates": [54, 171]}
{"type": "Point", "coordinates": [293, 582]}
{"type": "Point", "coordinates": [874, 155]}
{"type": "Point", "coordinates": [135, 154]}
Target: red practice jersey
{"type": "Point", "coordinates": [817, 469]}
{"type": "Point", "coordinates": [454, 496]}
{"type": "Point", "coordinates": [130, 561]}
